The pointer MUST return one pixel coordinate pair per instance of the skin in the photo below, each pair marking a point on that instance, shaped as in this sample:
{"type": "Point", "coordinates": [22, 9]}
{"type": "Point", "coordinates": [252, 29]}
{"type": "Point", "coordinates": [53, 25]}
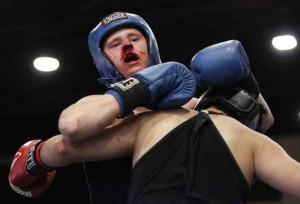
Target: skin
{"type": "Point", "coordinates": [133, 40]}
{"type": "Point", "coordinates": [90, 130]}
{"type": "Point", "coordinates": [256, 154]}
{"type": "Point", "coordinates": [122, 43]}
{"type": "Point", "coordinates": [80, 122]}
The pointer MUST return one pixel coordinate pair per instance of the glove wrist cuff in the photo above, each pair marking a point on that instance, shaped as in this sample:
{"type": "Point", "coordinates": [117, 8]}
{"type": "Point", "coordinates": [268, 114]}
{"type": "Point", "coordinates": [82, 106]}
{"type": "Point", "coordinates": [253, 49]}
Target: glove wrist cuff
{"type": "Point", "coordinates": [130, 93]}
{"type": "Point", "coordinates": [33, 160]}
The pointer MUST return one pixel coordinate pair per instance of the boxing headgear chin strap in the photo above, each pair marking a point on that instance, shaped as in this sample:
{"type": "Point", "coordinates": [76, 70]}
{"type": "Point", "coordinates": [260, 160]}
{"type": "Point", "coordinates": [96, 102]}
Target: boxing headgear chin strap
{"type": "Point", "coordinates": [109, 74]}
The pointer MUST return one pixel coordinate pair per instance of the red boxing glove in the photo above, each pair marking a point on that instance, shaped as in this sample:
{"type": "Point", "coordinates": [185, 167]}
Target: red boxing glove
{"type": "Point", "coordinates": [28, 176]}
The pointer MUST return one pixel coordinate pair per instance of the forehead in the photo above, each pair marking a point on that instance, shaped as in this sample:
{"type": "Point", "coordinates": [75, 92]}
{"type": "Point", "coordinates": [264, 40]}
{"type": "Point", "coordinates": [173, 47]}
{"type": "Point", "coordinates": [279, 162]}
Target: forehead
{"type": "Point", "coordinates": [123, 32]}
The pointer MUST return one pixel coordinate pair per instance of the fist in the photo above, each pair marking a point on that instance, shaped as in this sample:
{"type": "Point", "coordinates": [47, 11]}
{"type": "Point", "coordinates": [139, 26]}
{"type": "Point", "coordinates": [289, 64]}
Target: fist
{"type": "Point", "coordinates": [26, 176]}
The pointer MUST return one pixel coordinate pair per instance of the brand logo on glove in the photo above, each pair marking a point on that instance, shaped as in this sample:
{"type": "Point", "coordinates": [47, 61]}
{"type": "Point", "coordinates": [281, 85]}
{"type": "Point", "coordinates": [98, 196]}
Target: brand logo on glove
{"type": "Point", "coordinates": [126, 84]}
{"type": "Point", "coordinates": [30, 162]}
{"type": "Point", "coordinates": [113, 17]}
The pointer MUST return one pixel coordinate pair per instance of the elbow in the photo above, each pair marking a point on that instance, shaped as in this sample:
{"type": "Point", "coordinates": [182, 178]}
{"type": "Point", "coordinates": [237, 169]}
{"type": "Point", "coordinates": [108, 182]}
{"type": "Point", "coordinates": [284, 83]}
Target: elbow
{"type": "Point", "coordinates": [70, 127]}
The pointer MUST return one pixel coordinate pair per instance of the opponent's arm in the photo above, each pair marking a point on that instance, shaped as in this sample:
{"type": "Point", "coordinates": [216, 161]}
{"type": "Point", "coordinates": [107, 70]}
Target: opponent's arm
{"type": "Point", "coordinates": [191, 104]}
{"type": "Point", "coordinates": [267, 119]}
{"type": "Point", "coordinates": [275, 167]}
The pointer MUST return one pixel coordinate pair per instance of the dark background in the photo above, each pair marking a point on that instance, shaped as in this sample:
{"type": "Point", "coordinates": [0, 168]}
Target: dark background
{"type": "Point", "coordinates": [31, 101]}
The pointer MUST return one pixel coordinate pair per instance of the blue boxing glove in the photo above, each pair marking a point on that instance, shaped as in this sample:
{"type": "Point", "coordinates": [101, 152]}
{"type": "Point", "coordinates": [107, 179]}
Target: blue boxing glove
{"type": "Point", "coordinates": [222, 65]}
{"type": "Point", "coordinates": [159, 87]}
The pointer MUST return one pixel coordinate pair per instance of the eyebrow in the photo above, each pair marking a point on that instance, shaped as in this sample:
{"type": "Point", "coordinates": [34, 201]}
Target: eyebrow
{"type": "Point", "coordinates": [128, 35]}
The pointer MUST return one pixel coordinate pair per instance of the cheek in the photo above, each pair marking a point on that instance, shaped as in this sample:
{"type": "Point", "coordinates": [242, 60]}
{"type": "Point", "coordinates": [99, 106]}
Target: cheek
{"type": "Point", "coordinates": [141, 47]}
{"type": "Point", "coordinates": [113, 57]}
{"type": "Point", "coordinates": [146, 57]}
{"type": "Point", "coordinates": [144, 52]}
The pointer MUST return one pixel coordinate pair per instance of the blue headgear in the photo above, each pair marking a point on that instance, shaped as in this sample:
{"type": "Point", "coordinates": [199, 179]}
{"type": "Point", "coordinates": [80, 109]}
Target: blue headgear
{"type": "Point", "coordinates": [109, 74]}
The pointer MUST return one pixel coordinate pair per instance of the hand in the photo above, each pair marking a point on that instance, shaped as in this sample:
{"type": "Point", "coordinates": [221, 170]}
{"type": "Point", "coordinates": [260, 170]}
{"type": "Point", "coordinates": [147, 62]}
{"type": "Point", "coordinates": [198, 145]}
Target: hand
{"type": "Point", "coordinates": [163, 86]}
{"type": "Point", "coordinates": [224, 65]}
{"type": "Point", "coordinates": [27, 176]}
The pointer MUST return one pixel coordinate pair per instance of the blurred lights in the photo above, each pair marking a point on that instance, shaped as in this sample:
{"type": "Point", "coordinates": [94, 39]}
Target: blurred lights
{"type": "Point", "coordinates": [46, 64]}
{"type": "Point", "coordinates": [284, 42]}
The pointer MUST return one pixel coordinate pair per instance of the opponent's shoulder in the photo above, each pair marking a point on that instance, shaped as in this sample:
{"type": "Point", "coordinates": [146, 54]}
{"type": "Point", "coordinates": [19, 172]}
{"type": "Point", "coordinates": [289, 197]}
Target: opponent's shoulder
{"type": "Point", "coordinates": [232, 127]}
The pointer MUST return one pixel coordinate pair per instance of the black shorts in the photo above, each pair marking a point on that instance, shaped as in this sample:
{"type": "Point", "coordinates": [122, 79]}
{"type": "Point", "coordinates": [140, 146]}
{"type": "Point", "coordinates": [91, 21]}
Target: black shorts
{"type": "Point", "coordinates": [191, 164]}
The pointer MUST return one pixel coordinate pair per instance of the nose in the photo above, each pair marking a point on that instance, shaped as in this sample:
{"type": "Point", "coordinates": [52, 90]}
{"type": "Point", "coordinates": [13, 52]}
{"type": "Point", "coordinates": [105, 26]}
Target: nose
{"type": "Point", "coordinates": [127, 45]}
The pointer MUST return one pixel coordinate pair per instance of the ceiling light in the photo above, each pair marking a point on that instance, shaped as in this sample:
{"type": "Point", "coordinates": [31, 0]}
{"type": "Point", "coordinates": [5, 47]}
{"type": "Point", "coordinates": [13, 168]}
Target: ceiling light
{"type": "Point", "coordinates": [284, 42]}
{"type": "Point", "coordinates": [46, 64]}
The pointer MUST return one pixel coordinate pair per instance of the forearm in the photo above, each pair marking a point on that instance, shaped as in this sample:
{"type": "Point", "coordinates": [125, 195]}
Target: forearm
{"type": "Point", "coordinates": [191, 104]}
{"type": "Point", "coordinates": [88, 117]}
{"type": "Point", "coordinates": [56, 152]}
{"type": "Point", "coordinates": [110, 144]}
{"type": "Point", "coordinates": [59, 152]}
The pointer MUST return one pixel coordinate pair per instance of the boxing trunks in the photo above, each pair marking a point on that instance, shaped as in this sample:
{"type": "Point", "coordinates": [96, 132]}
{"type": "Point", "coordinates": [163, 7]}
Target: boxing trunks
{"type": "Point", "coordinates": [191, 164]}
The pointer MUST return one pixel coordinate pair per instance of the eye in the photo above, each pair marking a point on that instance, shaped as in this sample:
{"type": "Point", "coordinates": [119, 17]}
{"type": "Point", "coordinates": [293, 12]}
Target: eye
{"type": "Point", "coordinates": [133, 39]}
{"type": "Point", "coordinates": [115, 44]}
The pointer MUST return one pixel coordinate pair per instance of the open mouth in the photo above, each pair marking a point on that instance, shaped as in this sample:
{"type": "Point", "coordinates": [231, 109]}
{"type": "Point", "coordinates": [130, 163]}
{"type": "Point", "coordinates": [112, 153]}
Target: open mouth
{"type": "Point", "coordinates": [131, 57]}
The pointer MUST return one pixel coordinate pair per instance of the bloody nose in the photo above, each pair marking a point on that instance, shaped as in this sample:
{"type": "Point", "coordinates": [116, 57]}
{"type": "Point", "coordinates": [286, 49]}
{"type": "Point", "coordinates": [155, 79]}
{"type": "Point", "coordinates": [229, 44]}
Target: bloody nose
{"type": "Point", "coordinates": [128, 47]}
